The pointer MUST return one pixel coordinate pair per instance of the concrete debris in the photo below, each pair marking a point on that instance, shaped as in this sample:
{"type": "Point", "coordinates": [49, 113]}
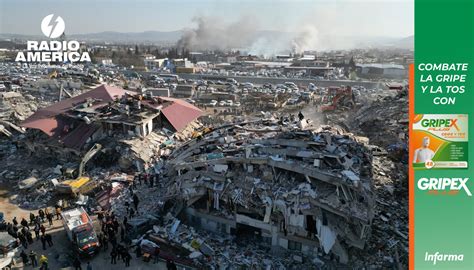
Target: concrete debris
{"type": "Point", "coordinates": [384, 120]}
{"type": "Point", "coordinates": [267, 183]}
{"type": "Point", "coordinates": [276, 193]}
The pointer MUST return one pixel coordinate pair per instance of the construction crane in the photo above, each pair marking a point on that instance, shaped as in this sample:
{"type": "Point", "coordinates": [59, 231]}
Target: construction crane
{"type": "Point", "coordinates": [339, 97]}
{"type": "Point", "coordinates": [81, 184]}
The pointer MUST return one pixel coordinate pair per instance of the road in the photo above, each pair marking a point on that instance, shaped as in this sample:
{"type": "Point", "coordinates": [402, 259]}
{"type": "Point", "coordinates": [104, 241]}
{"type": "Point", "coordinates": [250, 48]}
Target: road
{"type": "Point", "coordinates": [60, 254]}
{"type": "Point", "coordinates": [272, 80]}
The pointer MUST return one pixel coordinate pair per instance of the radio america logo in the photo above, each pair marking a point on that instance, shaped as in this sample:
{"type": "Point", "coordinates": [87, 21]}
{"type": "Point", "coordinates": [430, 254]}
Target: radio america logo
{"type": "Point", "coordinates": [53, 27]}
{"type": "Point", "coordinates": [444, 185]}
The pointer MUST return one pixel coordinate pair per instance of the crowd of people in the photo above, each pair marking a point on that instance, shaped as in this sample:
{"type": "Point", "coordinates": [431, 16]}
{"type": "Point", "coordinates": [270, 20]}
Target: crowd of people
{"type": "Point", "coordinates": [23, 231]}
{"type": "Point", "coordinates": [116, 231]}
{"type": "Point", "coordinates": [115, 236]}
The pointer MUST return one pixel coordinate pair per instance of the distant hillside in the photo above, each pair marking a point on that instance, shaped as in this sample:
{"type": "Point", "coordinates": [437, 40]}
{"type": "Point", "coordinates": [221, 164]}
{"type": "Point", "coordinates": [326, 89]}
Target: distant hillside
{"type": "Point", "coordinates": [171, 37]}
{"type": "Point", "coordinates": [406, 43]}
{"type": "Point", "coordinates": [137, 37]}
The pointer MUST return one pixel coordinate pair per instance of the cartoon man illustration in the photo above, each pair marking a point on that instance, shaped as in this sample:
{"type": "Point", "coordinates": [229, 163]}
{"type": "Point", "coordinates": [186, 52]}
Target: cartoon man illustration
{"type": "Point", "coordinates": [423, 153]}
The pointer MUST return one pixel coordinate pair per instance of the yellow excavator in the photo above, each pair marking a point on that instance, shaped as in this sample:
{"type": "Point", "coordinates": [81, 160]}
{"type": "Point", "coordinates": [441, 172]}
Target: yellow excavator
{"type": "Point", "coordinates": [53, 74]}
{"type": "Point", "coordinates": [81, 184]}
{"type": "Point", "coordinates": [198, 134]}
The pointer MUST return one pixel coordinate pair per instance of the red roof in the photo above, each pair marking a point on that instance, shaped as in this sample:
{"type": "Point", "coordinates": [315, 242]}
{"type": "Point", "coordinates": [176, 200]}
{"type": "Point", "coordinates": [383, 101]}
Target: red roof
{"type": "Point", "coordinates": [179, 112]}
{"type": "Point", "coordinates": [48, 120]}
{"type": "Point", "coordinates": [54, 122]}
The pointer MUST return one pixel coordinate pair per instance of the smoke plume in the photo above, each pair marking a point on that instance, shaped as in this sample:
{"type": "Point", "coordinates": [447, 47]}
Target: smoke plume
{"type": "Point", "coordinates": [211, 33]}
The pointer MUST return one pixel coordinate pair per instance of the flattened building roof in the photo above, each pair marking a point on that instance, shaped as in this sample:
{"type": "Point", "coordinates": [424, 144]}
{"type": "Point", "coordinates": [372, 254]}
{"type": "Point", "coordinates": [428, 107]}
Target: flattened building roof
{"type": "Point", "coordinates": [48, 120]}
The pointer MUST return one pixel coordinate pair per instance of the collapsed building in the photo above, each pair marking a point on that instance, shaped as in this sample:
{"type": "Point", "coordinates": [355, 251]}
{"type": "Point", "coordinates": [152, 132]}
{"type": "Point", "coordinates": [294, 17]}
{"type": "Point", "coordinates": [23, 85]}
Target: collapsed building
{"type": "Point", "coordinates": [290, 188]}
{"type": "Point", "coordinates": [69, 127]}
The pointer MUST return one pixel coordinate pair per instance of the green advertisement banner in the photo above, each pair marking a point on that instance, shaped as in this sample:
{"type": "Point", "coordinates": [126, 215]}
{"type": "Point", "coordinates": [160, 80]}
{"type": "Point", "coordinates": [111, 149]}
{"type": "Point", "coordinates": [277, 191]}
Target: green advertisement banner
{"type": "Point", "coordinates": [442, 209]}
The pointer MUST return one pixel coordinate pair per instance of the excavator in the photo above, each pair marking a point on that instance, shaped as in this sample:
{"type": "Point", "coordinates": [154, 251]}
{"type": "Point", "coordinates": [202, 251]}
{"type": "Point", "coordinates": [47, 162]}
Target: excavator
{"type": "Point", "coordinates": [339, 97]}
{"type": "Point", "coordinates": [81, 184]}
{"type": "Point", "coordinates": [198, 134]}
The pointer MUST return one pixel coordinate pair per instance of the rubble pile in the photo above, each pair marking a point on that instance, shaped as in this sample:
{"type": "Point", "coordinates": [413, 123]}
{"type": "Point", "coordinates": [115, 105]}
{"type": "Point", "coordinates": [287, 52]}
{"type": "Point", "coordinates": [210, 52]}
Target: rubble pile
{"type": "Point", "coordinates": [384, 121]}
{"type": "Point", "coordinates": [202, 248]}
{"type": "Point", "coordinates": [146, 152]}
{"type": "Point", "coordinates": [290, 185]}
{"type": "Point", "coordinates": [16, 107]}
{"type": "Point", "coordinates": [30, 189]}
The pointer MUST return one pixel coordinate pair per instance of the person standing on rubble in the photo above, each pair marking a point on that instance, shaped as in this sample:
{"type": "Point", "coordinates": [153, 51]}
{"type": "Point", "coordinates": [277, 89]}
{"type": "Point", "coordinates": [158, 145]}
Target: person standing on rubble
{"type": "Point", "coordinates": [128, 257]}
{"type": "Point", "coordinates": [100, 217]}
{"type": "Point", "coordinates": [58, 212]}
{"type": "Point", "coordinates": [105, 241]}
{"type": "Point", "coordinates": [135, 201]}
{"type": "Point", "coordinates": [24, 223]}
{"type": "Point", "coordinates": [43, 241]}
{"type": "Point", "coordinates": [42, 229]}
{"type": "Point", "coordinates": [300, 116]}
{"type": "Point", "coordinates": [13, 231]}
{"type": "Point", "coordinates": [41, 214]}
{"type": "Point", "coordinates": [34, 262]}
{"type": "Point", "coordinates": [43, 262]}
{"type": "Point", "coordinates": [22, 239]}
{"type": "Point", "coordinates": [15, 222]}
{"type": "Point", "coordinates": [37, 231]}
{"type": "Point", "coordinates": [119, 248]}
{"type": "Point", "coordinates": [49, 217]}
{"type": "Point", "coordinates": [32, 218]}
{"type": "Point", "coordinates": [113, 240]}
{"type": "Point", "coordinates": [113, 256]}
{"type": "Point", "coordinates": [24, 257]}
{"type": "Point", "coordinates": [10, 230]}
{"type": "Point", "coordinates": [38, 219]}
{"type": "Point", "coordinates": [49, 239]}
{"type": "Point", "coordinates": [29, 237]}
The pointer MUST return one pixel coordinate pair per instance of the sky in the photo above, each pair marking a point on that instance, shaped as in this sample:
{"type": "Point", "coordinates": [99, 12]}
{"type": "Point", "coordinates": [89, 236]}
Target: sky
{"type": "Point", "coordinates": [382, 18]}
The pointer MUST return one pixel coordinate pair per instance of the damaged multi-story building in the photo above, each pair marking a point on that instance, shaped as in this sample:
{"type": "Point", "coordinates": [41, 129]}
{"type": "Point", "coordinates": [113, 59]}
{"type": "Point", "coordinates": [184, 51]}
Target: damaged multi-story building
{"type": "Point", "coordinates": [303, 190]}
{"type": "Point", "coordinates": [71, 126]}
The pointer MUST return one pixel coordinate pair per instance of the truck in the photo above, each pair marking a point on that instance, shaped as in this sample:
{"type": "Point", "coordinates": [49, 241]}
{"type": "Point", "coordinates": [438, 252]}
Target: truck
{"type": "Point", "coordinates": [80, 231]}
